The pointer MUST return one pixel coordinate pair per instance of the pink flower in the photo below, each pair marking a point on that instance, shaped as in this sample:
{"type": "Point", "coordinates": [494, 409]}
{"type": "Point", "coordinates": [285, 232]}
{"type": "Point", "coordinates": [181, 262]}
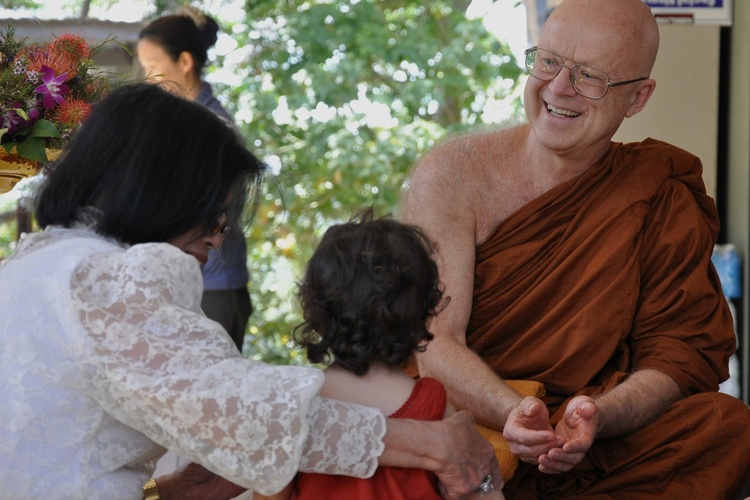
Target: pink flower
{"type": "Point", "coordinates": [52, 88]}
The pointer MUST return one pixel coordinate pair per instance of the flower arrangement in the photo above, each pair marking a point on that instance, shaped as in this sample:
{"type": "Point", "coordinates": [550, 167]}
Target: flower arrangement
{"type": "Point", "coordinates": [46, 92]}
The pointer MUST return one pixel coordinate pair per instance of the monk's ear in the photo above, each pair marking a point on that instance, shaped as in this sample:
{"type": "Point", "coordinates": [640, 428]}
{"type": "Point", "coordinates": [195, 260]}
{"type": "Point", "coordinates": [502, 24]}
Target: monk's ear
{"type": "Point", "coordinates": [641, 97]}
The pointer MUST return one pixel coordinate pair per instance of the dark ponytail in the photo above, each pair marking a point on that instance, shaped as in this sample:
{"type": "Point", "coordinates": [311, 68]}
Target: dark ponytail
{"type": "Point", "coordinates": [187, 31]}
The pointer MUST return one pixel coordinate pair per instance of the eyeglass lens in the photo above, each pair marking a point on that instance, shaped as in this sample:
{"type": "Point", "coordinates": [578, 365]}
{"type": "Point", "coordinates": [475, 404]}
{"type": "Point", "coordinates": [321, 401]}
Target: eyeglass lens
{"type": "Point", "coordinates": [587, 81]}
{"type": "Point", "coordinates": [221, 226]}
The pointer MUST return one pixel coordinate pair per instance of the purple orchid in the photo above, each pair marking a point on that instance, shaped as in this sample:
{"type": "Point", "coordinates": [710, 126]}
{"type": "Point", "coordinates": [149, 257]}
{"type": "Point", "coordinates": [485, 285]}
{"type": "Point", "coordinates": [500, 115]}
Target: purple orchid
{"type": "Point", "coordinates": [16, 118]}
{"type": "Point", "coordinates": [53, 87]}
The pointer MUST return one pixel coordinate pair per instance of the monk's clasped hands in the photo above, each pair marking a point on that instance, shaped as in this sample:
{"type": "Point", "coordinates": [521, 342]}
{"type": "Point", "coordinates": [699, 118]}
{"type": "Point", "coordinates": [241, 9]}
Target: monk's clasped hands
{"type": "Point", "coordinates": [532, 438]}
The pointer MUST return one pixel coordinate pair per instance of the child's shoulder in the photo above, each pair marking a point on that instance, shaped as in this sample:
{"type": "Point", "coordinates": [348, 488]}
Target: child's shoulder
{"type": "Point", "coordinates": [381, 387]}
{"type": "Point", "coordinates": [428, 401]}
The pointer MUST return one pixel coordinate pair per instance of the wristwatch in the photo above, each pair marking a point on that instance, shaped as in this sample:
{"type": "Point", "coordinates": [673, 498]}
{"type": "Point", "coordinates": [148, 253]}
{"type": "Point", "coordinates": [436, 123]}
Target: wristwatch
{"type": "Point", "coordinates": [150, 492]}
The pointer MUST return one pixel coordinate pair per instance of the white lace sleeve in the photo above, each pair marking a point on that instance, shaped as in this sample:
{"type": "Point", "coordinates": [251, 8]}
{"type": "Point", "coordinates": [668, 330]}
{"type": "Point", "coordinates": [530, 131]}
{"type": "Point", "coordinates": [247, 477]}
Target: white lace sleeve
{"type": "Point", "coordinates": [160, 366]}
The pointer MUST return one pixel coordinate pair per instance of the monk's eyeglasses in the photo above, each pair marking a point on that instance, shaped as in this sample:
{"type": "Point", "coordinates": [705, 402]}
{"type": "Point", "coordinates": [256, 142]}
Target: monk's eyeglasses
{"type": "Point", "coordinates": [587, 81]}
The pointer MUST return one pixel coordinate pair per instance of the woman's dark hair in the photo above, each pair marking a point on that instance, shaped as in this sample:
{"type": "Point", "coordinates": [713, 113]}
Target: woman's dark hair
{"type": "Point", "coordinates": [155, 165]}
{"type": "Point", "coordinates": [368, 290]}
{"type": "Point", "coordinates": [194, 33]}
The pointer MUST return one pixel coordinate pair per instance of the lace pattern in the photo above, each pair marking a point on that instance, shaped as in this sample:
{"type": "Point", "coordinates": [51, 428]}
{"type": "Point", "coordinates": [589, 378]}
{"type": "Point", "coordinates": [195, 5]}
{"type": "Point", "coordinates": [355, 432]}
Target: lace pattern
{"type": "Point", "coordinates": [148, 367]}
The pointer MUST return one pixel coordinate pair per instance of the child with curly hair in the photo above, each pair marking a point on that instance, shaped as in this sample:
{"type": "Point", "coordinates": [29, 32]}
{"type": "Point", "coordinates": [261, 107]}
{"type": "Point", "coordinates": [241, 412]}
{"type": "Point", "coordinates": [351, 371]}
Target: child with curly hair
{"type": "Point", "coordinates": [367, 297]}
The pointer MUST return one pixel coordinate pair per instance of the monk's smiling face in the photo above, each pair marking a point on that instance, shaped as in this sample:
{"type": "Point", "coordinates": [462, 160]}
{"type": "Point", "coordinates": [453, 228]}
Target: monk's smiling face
{"type": "Point", "coordinates": [604, 35]}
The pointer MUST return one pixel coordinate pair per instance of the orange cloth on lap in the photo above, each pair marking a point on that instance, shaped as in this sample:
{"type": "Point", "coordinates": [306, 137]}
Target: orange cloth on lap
{"type": "Point", "coordinates": [507, 460]}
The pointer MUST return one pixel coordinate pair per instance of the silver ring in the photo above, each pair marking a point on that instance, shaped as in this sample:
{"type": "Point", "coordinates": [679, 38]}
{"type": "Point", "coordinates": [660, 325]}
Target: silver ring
{"type": "Point", "coordinates": [486, 487]}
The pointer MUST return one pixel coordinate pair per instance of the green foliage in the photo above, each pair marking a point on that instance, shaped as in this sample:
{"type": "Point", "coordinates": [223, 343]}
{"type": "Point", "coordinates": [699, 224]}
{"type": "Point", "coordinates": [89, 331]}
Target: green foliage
{"type": "Point", "coordinates": [343, 98]}
{"type": "Point", "coordinates": [20, 4]}
{"type": "Point", "coordinates": [7, 229]}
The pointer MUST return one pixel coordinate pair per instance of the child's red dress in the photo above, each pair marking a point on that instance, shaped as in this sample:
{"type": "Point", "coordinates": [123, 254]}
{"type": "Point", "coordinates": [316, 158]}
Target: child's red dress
{"type": "Point", "coordinates": [426, 402]}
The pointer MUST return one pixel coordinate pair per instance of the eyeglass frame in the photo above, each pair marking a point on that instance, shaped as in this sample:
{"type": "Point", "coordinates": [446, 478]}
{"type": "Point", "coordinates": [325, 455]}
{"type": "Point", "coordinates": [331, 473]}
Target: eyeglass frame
{"type": "Point", "coordinates": [536, 48]}
{"type": "Point", "coordinates": [220, 227]}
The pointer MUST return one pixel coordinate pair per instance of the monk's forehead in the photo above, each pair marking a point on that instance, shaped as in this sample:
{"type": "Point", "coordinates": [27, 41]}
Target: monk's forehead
{"type": "Point", "coordinates": [589, 32]}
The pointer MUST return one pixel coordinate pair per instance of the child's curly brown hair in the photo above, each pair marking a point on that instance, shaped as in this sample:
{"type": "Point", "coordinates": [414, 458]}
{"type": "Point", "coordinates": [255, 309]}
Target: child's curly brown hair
{"type": "Point", "coordinates": [367, 293]}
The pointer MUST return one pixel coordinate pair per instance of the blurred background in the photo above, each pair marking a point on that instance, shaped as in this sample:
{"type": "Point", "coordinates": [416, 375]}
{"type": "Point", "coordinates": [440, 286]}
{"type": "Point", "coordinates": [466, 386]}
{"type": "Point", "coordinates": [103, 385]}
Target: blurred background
{"type": "Point", "coordinates": [340, 98]}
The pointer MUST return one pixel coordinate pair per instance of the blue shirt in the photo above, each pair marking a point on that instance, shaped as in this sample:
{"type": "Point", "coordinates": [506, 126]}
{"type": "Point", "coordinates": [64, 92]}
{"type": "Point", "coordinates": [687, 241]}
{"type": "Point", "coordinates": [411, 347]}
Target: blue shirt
{"type": "Point", "coordinates": [226, 268]}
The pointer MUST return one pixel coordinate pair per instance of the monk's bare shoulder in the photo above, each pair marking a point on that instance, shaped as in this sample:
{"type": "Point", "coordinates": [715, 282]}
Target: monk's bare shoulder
{"type": "Point", "coordinates": [464, 157]}
{"type": "Point", "coordinates": [473, 171]}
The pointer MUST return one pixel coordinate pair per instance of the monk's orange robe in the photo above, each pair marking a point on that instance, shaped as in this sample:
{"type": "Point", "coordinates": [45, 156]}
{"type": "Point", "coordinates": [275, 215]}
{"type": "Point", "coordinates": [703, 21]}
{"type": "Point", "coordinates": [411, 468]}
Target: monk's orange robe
{"type": "Point", "coordinates": [604, 275]}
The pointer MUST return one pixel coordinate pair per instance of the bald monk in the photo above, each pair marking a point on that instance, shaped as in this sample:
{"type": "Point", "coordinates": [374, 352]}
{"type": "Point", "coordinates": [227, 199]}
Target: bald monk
{"type": "Point", "coordinates": [585, 264]}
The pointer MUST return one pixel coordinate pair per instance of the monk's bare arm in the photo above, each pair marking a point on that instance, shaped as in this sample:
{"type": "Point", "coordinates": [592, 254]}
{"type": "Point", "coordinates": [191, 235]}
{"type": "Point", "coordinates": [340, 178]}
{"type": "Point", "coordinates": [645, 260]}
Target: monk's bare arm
{"type": "Point", "coordinates": [635, 402]}
{"type": "Point", "coordinates": [627, 407]}
{"type": "Point", "coordinates": [439, 200]}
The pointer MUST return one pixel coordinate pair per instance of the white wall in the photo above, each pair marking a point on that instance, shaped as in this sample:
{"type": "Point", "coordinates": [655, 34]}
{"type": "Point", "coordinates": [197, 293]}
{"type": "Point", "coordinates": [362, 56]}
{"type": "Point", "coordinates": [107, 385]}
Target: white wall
{"type": "Point", "coordinates": [684, 107]}
{"type": "Point", "coordinates": [737, 220]}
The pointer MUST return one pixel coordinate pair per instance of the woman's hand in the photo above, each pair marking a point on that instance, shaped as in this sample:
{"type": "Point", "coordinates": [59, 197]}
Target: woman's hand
{"type": "Point", "coordinates": [195, 482]}
{"type": "Point", "coordinates": [452, 448]}
{"type": "Point", "coordinates": [471, 458]}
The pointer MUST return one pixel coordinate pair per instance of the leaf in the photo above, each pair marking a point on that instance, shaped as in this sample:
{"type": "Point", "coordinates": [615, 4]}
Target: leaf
{"type": "Point", "coordinates": [8, 146]}
{"type": "Point", "coordinates": [21, 112]}
{"type": "Point", "coordinates": [33, 148]}
{"type": "Point", "coordinates": [44, 128]}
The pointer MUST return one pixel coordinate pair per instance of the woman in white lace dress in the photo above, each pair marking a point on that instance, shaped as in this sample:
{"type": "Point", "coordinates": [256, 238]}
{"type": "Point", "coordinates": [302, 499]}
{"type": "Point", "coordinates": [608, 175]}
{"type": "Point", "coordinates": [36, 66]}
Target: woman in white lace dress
{"type": "Point", "coordinates": [106, 359]}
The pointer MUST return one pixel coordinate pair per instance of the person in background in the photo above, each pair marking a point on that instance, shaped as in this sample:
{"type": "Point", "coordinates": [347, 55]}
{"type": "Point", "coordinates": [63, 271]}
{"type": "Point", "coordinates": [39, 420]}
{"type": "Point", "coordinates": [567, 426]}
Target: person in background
{"type": "Point", "coordinates": [585, 264]}
{"type": "Point", "coordinates": [369, 293]}
{"type": "Point", "coordinates": [107, 359]}
{"type": "Point", "coordinates": [174, 49]}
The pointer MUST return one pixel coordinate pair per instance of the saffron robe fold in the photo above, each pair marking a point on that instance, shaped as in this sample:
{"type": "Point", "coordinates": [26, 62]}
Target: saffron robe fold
{"type": "Point", "coordinates": [601, 276]}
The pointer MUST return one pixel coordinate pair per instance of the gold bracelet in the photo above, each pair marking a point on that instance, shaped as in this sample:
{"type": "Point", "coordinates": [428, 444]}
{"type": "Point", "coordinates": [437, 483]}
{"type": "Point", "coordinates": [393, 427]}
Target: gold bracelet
{"type": "Point", "coordinates": [150, 492]}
